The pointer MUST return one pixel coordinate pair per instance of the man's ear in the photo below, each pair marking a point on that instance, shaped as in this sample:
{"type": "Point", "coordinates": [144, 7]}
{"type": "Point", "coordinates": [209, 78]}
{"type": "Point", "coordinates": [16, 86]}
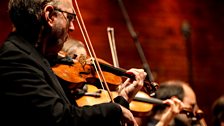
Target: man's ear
{"type": "Point", "coordinates": [48, 14]}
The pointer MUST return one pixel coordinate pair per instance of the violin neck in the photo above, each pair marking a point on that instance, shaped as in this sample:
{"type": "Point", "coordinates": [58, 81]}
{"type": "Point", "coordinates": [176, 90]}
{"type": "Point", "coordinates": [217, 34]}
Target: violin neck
{"type": "Point", "coordinates": [150, 87]}
{"type": "Point", "coordinates": [115, 70]}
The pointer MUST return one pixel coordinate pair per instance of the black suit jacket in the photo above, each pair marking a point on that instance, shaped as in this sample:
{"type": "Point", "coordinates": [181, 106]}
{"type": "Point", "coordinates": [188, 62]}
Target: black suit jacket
{"type": "Point", "coordinates": [32, 96]}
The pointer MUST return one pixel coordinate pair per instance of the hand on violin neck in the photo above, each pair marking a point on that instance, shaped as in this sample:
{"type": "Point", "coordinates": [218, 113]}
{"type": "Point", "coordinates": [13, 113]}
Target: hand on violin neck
{"type": "Point", "coordinates": [174, 108]}
{"type": "Point", "coordinates": [130, 87]}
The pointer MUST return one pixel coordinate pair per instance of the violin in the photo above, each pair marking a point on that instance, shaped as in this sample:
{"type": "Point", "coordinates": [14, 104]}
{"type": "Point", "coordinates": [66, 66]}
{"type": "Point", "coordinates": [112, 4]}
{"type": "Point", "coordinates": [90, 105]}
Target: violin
{"type": "Point", "coordinates": [79, 73]}
{"type": "Point", "coordinates": [196, 117]}
{"type": "Point", "coordinates": [140, 106]}
{"type": "Point", "coordinates": [93, 95]}
{"type": "Point", "coordinates": [82, 71]}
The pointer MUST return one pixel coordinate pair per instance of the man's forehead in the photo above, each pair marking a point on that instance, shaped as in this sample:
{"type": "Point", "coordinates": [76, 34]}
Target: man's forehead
{"type": "Point", "coordinates": [190, 98]}
{"type": "Point", "coordinates": [65, 3]}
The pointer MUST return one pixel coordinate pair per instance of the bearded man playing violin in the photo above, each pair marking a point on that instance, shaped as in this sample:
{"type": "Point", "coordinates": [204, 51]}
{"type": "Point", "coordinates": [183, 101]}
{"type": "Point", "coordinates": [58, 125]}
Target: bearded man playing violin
{"type": "Point", "coordinates": [31, 94]}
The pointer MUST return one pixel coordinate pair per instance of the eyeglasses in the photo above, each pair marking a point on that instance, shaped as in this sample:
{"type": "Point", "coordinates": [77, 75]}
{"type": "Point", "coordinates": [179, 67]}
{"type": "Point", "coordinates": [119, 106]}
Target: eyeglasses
{"type": "Point", "coordinates": [70, 16]}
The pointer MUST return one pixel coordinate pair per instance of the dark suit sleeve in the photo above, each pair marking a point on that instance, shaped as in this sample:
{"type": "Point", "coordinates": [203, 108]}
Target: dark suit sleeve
{"type": "Point", "coordinates": [106, 114]}
{"type": "Point", "coordinates": [31, 96]}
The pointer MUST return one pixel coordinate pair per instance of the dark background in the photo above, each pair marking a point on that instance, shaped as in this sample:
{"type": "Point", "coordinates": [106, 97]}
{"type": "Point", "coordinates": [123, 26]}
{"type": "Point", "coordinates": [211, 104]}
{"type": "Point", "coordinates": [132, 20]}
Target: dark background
{"type": "Point", "coordinates": [158, 23]}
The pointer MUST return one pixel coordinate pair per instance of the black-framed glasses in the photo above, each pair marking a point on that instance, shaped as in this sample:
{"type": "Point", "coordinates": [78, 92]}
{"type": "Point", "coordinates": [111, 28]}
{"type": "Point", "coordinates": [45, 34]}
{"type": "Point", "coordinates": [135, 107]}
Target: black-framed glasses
{"type": "Point", "coordinates": [70, 16]}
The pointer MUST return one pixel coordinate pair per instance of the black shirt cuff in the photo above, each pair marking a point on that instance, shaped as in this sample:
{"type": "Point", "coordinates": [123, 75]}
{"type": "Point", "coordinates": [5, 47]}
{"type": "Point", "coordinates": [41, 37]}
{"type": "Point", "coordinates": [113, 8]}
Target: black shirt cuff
{"type": "Point", "coordinates": [120, 100]}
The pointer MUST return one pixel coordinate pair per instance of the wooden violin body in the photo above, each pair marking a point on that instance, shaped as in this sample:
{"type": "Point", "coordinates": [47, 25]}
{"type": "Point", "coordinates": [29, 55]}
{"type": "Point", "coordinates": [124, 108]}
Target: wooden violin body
{"type": "Point", "coordinates": [97, 96]}
{"type": "Point", "coordinates": [79, 75]}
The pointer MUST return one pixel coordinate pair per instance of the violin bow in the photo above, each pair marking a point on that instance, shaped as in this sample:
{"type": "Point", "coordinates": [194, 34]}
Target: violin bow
{"type": "Point", "coordinates": [136, 41]}
{"type": "Point", "coordinates": [91, 49]}
{"type": "Point", "coordinates": [110, 33]}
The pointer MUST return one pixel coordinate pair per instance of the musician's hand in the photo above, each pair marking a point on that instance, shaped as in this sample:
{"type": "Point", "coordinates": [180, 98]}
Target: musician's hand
{"type": "Point", "coordinates": [130, 87]}
{"type": "Point", "coordinates": [175, 107]}
{"type": "Point", "coordinates": [128, 117]}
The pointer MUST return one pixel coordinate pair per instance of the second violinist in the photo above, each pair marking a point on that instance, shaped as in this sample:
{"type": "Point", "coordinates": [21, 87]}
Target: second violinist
{"type": "Point", "coordinates": [185, 94]}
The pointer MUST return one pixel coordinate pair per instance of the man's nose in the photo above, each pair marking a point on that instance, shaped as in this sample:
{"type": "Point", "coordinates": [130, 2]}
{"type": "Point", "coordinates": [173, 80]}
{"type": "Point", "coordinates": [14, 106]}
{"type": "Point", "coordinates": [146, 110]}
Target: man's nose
{"type": "Point", "coordinates": [71, 27]}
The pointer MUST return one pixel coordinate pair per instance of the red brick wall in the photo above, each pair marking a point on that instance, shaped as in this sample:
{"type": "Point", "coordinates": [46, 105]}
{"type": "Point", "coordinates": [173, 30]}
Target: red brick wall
{"type": "Point", "coordinates": [158, 25]}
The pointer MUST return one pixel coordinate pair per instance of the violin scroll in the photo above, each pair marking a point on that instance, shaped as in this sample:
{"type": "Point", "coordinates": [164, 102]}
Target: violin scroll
{"type": "Point", "coordinates": [150, 87]}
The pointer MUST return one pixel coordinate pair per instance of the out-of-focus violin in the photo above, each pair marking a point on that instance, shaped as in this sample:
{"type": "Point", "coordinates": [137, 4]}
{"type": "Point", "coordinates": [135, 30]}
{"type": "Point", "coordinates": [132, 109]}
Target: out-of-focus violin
{"type": "Point", "coordinates": [196, 117]}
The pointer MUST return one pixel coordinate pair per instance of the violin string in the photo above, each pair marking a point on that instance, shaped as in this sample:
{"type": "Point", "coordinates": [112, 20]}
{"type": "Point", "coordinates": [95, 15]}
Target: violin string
{"type": "Point", "coordinates": [91, 50]}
